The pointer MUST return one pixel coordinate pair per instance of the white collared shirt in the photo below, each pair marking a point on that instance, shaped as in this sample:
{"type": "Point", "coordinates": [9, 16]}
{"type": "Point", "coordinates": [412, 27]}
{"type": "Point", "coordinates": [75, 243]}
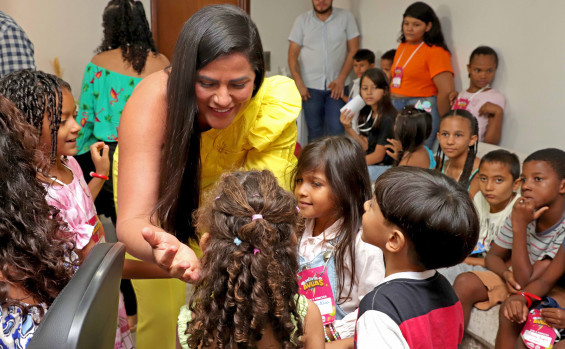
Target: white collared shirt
{"type": "Point", "coordinates": [369, 269]}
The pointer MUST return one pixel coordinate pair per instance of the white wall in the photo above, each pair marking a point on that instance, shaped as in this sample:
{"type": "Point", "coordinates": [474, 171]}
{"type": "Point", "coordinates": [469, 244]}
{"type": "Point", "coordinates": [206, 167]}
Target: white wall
{"type": "Point", "coordinates": [68, 29]}
{"type": "Point", "coordinates": [526, 34]}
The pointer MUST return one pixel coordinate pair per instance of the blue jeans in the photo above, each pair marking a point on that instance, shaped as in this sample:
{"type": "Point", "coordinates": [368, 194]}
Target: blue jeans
{"type": "Point", "coordinates": [400, 103]}
{"type": "Point", "coordinates": [375, 171]}
{"type": "Point", "coordinates": [321, 112]}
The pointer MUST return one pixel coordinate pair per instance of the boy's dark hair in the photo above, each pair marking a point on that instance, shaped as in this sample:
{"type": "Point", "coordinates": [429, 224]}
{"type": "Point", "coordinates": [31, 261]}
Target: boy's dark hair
{"type": "Point", "coordinates": [364, 55]}
{"type": "Point", "coordinates": [506, 158]}
{"type": "Point", "coordinates": [434, 213]}
{"type": "Point", "coordinates": [343, 163]}
{"type": "Point", "coordinates": [389, 55]}
{"type": "Point", "coordinates": [422, 11]}
{"type": "Point", "coordinates": [553, 156]}
{"type": "Point", "coordinates": [250, 282]}
{"type": "Point", "coordinates": [465, 177]}
{"type": "Point", "coordinates": [412, 127]}
{"type": "Point", "coordinates": [484, 50]}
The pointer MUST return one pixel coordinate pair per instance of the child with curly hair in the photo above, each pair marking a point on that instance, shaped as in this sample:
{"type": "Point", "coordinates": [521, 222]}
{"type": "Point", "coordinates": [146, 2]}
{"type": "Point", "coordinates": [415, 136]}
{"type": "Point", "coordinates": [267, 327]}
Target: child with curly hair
{"type": "Point", "coordinates": [248, 294]}
{"type": "Point", "coordinates": [34, 256]}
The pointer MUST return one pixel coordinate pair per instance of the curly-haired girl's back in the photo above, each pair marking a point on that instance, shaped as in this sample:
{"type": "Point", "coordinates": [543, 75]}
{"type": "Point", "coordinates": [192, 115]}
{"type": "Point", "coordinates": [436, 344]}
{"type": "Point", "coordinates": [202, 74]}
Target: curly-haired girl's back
{"type": "Point", "coordinates": [248, 294]}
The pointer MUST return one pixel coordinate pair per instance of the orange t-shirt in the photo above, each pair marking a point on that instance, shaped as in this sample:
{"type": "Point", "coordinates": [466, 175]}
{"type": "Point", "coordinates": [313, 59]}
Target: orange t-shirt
{"type": "Point", "coordinates": [424, 65]}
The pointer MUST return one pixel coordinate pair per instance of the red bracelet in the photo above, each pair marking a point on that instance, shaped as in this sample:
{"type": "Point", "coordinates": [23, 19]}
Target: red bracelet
{"type": "Point", "coordinates": [529, 297]}
{"type": "Point", "coordinates": [97, 175]}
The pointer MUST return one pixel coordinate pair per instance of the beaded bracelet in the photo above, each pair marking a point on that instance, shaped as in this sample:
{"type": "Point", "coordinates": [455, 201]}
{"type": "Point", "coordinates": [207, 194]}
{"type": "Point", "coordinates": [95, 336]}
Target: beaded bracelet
{"type": "Point", "coordinates": [334, 332]}
{"type": "Point", "coordinates": [326, 336]}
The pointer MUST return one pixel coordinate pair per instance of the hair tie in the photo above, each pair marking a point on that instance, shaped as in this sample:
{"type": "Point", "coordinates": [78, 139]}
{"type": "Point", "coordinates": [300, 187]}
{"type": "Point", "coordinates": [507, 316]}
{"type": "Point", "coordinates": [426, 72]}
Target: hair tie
{"type": "Point", "coordinates": [425, 106]}
{"type": "Point", "coordinates": [237, 241]}
{"type": "Point", "coordinates": [297, 209]}
{"type": "Point", "coordinates": [256, 250]}
{"type": "Point", "coordinates": [256, 195]}
{"type": "Point", "coordinates": [256, 216]}
{"type": "Point", "coordinates": [217, 197]}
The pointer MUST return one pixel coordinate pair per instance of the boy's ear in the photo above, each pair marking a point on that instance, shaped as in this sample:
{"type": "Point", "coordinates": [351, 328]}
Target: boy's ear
{"type": "Point", "coordinates": [562, 187]}
{"type": "Point", "coordinates": [395, 242]}
{"type": "Point", "coordinates": [517, 184]}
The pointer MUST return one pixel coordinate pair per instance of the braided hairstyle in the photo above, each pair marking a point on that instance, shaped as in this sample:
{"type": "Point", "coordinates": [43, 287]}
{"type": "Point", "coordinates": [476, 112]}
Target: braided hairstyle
{"type": "Point", "coordinates": [464, 178]}
{"type": "Point", "coordinates": [33, 250]}
{"type": "Point", "coordinates": [125, 26]}
{"type": "Point", "coordinates": [38, 96]}
{"type": "Point", "coordinates": [249, 266]}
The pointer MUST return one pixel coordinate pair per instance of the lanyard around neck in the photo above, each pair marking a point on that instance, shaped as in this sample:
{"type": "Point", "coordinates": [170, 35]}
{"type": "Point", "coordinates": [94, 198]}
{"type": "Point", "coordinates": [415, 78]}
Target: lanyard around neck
{"type": "Point", "coordinates": [409, 58]}
{"type": "Point", "coordinates": [479, 91]}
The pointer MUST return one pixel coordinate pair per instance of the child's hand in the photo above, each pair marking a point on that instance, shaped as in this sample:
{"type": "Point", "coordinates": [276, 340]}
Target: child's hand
{"type": "Point", "coordinates": [524, 212]}
{"type": "Point", "coordinates": [346, 118]}
{"type": "Point", "coordinates": [511, 283]}
{"type": "Point", "coordinates": [393, 148]}
{"type": "Point", "coordinates": [172, 255]}
{"type": "Point", "coordinates": [490, 109]}
{"type": "Point", "coordinates": [515, 309]}
{"type": "Point", "coordinates": [554, 317]}
{"type": "Point", "coordinates": [101, 162]}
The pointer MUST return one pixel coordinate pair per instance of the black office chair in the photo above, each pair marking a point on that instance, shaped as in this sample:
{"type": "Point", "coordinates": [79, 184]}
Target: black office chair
{"type": "Point", "coordinates": [85, 313]}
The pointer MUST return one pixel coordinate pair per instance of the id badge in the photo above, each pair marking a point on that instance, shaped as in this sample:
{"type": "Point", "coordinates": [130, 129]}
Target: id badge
{"type": "Point", "coordinates": [397, 77]}
{"type": "Point", "coordinates": [461, 103]}
{"type": "Point", "coordinates": [315, 285]}
{"type": "Point", "coordinates": [537, 334]}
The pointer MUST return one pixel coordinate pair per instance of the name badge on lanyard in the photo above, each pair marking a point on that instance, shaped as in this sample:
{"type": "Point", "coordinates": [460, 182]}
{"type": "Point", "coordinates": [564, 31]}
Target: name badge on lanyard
{"type": "Point", "coordinates": [399, 70]}
{"type": "Point", "coordinates": [397, 77]}
{"type": "Point", "coordinates": [315, 285]}
{"type": "Point", "coordinates": [461, 103]}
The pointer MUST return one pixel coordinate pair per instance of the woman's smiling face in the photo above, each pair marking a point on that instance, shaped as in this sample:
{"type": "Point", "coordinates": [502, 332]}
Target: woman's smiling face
{"type": "Point", "coordinates": [223, 87]}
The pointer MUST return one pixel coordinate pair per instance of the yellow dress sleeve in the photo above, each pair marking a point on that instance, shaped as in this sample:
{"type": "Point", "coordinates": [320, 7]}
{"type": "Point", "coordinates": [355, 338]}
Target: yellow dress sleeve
{"type": "Point", "coordinates": [272, 137]}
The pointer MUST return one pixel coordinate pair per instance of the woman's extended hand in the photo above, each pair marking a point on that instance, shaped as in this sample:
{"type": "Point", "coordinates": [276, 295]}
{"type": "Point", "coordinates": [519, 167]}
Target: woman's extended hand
{"type": "Point", "coordinates": [172, 255]}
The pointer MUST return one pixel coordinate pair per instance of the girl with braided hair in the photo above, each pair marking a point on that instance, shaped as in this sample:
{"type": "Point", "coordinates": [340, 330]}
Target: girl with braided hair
{"type": "Point", "coordinates": [34, 256]}
{"type": "Point", "coordinates": [48, 105]}
{"type": "Point", "coordinates": [457, 153]}
{"type": "Point", "coordinates": [248, 293]}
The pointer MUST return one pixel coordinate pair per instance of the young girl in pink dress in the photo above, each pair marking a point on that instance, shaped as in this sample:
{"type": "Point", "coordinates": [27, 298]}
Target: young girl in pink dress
{"type": "Point", "coordinates": [52, 112]}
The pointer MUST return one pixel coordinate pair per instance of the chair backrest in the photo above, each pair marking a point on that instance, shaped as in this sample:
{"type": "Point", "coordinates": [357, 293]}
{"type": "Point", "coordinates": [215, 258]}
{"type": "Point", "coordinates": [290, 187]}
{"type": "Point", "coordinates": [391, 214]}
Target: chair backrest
{"type": "Point", "coordinates": [85, 313]}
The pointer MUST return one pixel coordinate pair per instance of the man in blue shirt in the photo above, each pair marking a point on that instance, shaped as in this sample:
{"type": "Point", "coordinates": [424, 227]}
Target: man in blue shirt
{"type": "Point", "coordinates": [322, 43]}
{"type": "Point", "coordinates": [16, 50]}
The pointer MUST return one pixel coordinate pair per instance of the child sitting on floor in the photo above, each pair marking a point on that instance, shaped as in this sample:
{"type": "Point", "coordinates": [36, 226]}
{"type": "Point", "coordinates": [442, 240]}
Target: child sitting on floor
{"type": "Point", "coordinates": [248, 295]}
{"type": "Point", "coordinates": [530, 238]}
{"type": "Point", "coordinates": [499, 181]}
{"type": "Point", "coordinates": [422, 220]}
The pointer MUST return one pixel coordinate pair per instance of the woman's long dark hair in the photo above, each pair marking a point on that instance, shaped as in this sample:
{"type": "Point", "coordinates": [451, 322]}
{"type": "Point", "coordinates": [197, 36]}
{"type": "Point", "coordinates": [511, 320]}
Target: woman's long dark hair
{"type": "Point", "coordinates": [212, 32]}
{"type": "Point", "coordinates": [464, 178]}
{"type": "Point", "coordinates": [343, 163]}
{"type": "Point", "coordinates": [412, 127]}
{"type": "Point", "coordinates": [33, 252]}
{"type": "Point", "coordinates": [422, 11]}
{"type": "Point", "coordinates": [384, 106]}
{"type": "Point", "coordinates": [249, 284]}
{"type": "Point", "coordinates": [125, 26]}
{"type": "Point", "coordinates": [36, 93]}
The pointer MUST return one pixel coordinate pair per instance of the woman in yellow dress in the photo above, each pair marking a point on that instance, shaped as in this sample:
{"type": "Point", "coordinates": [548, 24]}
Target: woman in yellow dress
{"type": "Point", "coordinates": [212, 111]}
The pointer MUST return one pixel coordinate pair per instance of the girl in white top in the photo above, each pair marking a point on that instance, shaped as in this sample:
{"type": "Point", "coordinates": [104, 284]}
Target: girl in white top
{"type": "Point", "coordinates": [331, 185]}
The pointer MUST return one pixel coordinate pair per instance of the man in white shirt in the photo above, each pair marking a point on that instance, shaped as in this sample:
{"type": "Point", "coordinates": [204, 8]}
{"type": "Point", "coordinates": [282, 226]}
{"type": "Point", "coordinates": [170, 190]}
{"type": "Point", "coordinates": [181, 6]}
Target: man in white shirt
{"type": "Point", "coordinates": [322, 43]}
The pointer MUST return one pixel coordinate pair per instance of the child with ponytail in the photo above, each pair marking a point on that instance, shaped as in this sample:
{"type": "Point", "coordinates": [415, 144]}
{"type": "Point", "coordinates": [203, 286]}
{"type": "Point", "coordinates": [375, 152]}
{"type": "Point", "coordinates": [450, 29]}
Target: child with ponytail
{"type": "Point", "coordinates": [248, 294]}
